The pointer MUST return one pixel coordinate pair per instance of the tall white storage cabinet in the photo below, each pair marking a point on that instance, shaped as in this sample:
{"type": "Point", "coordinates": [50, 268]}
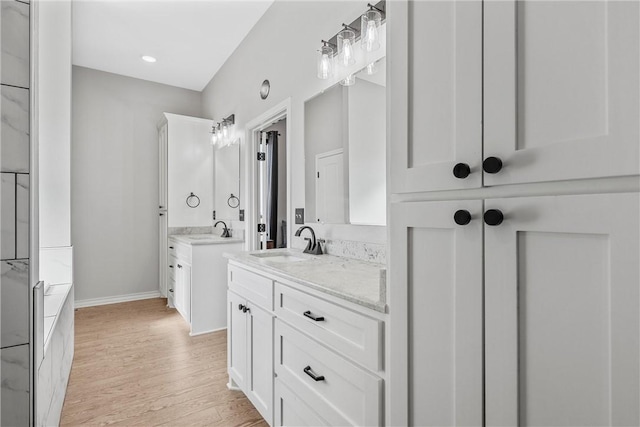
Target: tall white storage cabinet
{"type": "Point", "coordinates": [515, 210]}
{"type": "Point", "coordinates": [185, 168]}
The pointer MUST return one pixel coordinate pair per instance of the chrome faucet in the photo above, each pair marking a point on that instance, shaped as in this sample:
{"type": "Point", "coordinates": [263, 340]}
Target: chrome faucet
{"type": "Point", "coordinates": [225, 232]}
{"type": "Point", "coordinates": [313, 247]}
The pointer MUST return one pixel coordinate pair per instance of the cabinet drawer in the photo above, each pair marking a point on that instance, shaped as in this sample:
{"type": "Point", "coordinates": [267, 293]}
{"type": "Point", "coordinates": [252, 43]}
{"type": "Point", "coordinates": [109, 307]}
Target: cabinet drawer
{"type": "Point", "coordinates": [291, 410]}
{"type": "Point", "coordinates": [352, 334]}
{"type": "Point", "coordinates": [180, 251]}
{"type": "Point", "coordinates": [252, 286]}
{"type": "Point", "coordinates": [344, 393]}
{"type": "Point", "coordinates": [172, 262]}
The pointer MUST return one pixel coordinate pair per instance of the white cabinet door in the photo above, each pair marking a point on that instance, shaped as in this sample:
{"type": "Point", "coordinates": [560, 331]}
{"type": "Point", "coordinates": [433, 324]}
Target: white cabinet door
{"type": "Point", "coordinates": [435, 89]}
{"type": "Point", "coordinates": [562, 311]}
{"type": "Point", "coordinates": [436, 345]}
{"type": "Point", "coordinates": [236, 339]}
{"type": "Point", "coordinates": [561, 82]}
{"type": "Point", "coordinates": [162, 167]}
{"type": "Point", "coordinates": [182, 292]}
{"type": "Point", "coordinates": [259, 387]}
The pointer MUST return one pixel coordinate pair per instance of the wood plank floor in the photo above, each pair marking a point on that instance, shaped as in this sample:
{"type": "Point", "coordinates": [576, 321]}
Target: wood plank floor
{"type": "Point", "coordinates": [136, 365]}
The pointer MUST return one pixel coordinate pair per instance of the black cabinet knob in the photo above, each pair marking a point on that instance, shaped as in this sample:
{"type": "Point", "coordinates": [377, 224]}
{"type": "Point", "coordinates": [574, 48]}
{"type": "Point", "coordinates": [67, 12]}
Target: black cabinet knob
{"type": "Point", "coordinates": [461, 170]}
{"type": "Point", "coordinates": [492, 165]}
{"type": "Point", "coordinates": [171, 290]}
{"type": "Point", "coordinates": [171, 266]}
{"type": "Point", "coordinates": [161, 214]}
{"type": "Point", "coordinates": [241, 307]}
{"type": "Point", "coordinates": [462, 217]}
{"type": "Point", "coordinates": [493, 217]}
{"type": "Point", "coordinates": [246, 309]}
{"type": "Point", "coordinates": [179, 266]}
{"type": "Point", "coordinates": [170, 247]}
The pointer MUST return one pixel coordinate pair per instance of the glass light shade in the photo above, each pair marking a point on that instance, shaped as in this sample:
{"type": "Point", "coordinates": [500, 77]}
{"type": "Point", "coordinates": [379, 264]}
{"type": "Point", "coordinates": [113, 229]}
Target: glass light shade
{"type": "Point", "coordinates": [325, 62]}
{"type": "Point", "coordinates": [225, 132]}
{"type": "Point", "coordinates": [214, 137]}
{"type": "Point", "coordinates": [370, 27]}
{"type": "Point", "coordinates": [346, 54]}
{"type": "Point", "coordinates": [350, 80]}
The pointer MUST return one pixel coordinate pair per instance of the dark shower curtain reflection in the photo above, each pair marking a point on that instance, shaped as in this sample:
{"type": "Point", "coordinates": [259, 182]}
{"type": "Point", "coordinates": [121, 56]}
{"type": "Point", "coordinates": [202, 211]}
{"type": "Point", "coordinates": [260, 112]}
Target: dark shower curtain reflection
{"type": "Point", "coordinates": [272, 187]}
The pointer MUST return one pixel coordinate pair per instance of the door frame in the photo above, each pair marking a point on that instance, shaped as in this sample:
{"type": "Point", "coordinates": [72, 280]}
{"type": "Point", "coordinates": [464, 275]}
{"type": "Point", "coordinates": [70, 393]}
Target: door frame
{"type": "Point", "coordinates": [339, 151]}
{"type": "Point", "coordinates": [252, 136]}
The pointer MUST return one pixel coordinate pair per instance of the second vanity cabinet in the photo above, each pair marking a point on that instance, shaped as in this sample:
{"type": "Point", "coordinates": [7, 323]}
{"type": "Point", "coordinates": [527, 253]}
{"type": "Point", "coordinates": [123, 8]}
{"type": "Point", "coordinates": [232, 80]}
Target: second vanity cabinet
{"type": "Point", "coordinates": [303, 357]}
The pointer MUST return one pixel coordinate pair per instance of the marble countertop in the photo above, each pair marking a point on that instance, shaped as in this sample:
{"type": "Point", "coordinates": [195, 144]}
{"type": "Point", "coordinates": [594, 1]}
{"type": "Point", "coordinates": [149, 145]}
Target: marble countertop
{"type": "Point", "coordinates": [360, 282]}
{"type": "Point", "coordinates": [204, 239]}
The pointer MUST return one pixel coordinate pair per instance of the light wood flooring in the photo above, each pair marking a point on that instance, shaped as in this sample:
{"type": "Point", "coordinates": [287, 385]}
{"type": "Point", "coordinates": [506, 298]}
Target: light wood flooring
{"type": "Point", "coordinates": [136, 365]}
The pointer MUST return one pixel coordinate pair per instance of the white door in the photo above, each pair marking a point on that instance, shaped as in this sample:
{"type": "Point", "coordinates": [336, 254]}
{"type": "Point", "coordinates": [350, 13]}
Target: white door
{"type": "Point", "coordinates": [330, 188]}
{"type": "Point", "coordinates": [436, 347]}
{"type": "Point", "coordinates": [262, 191]}
{"type": "Point", "coordinates": [561, 82]}
{"type": "Point", "coordinates": [435, 104]}
{"type": "Point", "coordinates": [236, 339]}
{"type": "Point", "coordinates": [260, 369]}
{"type": "Point", "coordinates": [562, 311]}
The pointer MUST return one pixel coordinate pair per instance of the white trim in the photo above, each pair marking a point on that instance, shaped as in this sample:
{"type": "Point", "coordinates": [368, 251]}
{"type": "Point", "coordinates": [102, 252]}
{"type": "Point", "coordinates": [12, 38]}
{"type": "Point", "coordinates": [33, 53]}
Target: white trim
{"type": "Point", "coordinates": [191, 334]}
{"type": "Point", "coordinates": [116, 299]}
{"type": "Point", "coordinates": [252, 138]}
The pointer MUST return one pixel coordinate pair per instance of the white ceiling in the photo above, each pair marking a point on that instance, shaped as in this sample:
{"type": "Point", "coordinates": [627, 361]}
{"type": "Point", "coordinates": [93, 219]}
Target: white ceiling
{"type": "Point", "coordinates": [190, 39]}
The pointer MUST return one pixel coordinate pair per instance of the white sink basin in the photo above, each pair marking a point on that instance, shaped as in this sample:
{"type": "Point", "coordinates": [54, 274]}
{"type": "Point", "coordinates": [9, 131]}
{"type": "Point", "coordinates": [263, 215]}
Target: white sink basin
{"type": "Point", "coordinates": [279, 257]}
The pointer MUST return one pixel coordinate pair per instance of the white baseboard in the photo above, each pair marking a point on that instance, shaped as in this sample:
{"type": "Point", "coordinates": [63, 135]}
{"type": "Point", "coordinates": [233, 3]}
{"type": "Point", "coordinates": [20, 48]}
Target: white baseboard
{"type": "Point", "coordinates": [191, 334]}
{"type": "Point", "coordinates": [116, 299]}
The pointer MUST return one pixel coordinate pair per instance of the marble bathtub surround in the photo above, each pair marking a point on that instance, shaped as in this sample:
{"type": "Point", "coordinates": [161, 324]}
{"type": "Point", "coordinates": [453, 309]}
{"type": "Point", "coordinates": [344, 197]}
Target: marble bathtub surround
{"type": "Point", "coordinates": [56, 266]}
{"type": "Point", "coordinates": [8, 216]}
{"type": "Point", "coordinates": [15, 385]}
{"type": "Point", "coordinates": [22, 215]}
{"type": "Point", "coordinates": [353, 280]}
{"type": "Point", "coordinates": [14, 228]}
{"type": "Point", "coordinates": [14, 297]}
{"type": "Point", "coordinates": [14, 41]}
{"type": "Point", "coordinates": [14, 129]}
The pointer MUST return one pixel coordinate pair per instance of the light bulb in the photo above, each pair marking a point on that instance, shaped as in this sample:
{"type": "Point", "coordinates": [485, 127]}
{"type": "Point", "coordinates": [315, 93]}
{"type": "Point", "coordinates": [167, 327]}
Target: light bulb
{"type": "Point", "coordinates": [372, 35]}
{"type": "Point", "coordinates": [347, 56]}
{"type": "Point", "coordinates": [225, 131]}
{"type": "Point", "coordinates": [346, 40]}
{"type": "Point", "coordinates": [325, 66]}
{"type": "Point", "coordinates": [214, 138]}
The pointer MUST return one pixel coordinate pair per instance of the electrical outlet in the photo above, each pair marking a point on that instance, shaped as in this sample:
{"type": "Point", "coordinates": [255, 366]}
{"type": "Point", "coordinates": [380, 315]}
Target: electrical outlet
{"type": "Point", "coordinates": [241, 215]}
{"type": "Point", "coordinates": [299, 215]}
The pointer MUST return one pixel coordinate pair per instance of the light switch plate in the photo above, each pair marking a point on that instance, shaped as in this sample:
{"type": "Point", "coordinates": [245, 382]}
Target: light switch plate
{"type": "Point", "coordinates": [241, 215]}
{"type": "Point", "coordinates": [299, 215]}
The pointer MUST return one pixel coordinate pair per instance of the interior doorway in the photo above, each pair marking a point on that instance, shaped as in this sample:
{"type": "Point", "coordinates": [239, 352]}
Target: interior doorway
{"type": "Point", "coordinates": [268, 159]}
{"type": "Point", "coordinates": [272, 186]}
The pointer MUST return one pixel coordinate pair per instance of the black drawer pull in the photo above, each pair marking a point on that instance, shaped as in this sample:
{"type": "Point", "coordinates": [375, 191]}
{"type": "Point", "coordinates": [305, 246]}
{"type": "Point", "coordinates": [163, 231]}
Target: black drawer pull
{"type": "Point", "coordinates": [179, 266]}
{"type": "Point", "coordinates": [246, 309]}
{"type": "Point", "coordinates": [312, 317]}
{"type": "Point", "coordinates": [315, 377]}
{"type": "Point", "coordinates": [171, 290]}
{"type": "Point", "coordinates": [241, 307]}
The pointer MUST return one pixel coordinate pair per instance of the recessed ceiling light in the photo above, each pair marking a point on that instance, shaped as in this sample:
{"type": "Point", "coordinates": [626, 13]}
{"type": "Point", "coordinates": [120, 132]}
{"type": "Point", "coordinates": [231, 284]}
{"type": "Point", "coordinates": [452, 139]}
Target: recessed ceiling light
{"type": "Point", "coordinates": [148, 58]}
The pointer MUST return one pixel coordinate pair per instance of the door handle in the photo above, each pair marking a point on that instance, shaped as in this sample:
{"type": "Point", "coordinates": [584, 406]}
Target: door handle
{"type": "Point", "coordinates": [310, 372]}
{"type": "Point", "coordinates": [312, 317]}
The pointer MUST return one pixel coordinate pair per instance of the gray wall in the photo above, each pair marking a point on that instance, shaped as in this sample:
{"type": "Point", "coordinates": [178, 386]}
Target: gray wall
{"type": "Point", "coordinates": [282, 48]}
{"type": "Point", "coordinates": [114, 180]}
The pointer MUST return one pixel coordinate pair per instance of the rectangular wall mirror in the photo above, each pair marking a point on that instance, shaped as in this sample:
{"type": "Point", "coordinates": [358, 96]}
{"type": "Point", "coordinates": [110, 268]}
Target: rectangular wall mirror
{"type": "Point", "coordinates": [345, 152]}
{"type": "Point", "coordinates": [227, 182]}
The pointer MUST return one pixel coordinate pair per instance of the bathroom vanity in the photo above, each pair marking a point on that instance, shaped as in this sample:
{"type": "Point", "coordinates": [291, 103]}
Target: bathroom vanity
{"type": "Point", "coordinates": [305, 336]}
{"type": "Point", "coordinates": [197, 279]}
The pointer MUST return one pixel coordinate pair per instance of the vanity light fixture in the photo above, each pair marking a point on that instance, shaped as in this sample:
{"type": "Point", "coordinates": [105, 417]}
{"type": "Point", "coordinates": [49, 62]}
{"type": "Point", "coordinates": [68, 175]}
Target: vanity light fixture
{"type": "Point", "coordinates": [370, 22]}
{"type": "Point", "coordinates": [338, 54]}
{"type": "Point", "coordinates": [215, 134]}
{"type": "Point", "coordinates": [222, 133]}
{"type": "Point", "coordinates": [326, 60]}
{"type": "Point", "coordinates": [346, 42]}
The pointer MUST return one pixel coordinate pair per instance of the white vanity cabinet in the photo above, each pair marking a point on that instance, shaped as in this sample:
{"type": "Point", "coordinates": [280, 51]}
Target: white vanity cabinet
{"type": "Point", "coordinates": [250, 337]}
{"type": "Point", "coordinates": [196, 279]}
{"type": "Point", "coordinates": [303, 357]}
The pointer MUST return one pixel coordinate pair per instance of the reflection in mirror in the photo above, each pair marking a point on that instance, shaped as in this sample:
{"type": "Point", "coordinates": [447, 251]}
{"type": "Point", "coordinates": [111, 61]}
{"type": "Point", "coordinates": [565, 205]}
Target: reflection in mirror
{"type": "Point", "coordinates": [227, 182]}
{"type": "Point", "coordinates": [345, 160]}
